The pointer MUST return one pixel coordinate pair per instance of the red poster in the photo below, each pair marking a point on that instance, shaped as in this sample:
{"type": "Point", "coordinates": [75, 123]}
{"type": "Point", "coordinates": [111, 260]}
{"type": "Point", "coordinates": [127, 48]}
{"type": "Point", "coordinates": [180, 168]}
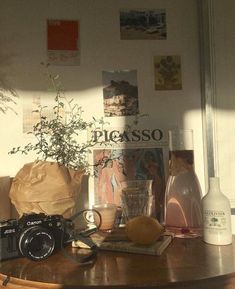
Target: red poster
{"type": "Point", "coordinates": [63, 42]}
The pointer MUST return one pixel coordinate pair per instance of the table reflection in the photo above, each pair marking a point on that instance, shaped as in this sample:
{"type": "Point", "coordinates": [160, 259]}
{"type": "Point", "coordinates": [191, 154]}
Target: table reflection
{"type": "Point", "coordinates": [184, 260]}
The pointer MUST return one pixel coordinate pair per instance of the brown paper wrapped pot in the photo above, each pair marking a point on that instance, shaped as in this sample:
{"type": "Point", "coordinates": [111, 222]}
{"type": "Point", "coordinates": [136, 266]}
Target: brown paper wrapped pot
{"type": "Point", "coordinates": [46, 187]}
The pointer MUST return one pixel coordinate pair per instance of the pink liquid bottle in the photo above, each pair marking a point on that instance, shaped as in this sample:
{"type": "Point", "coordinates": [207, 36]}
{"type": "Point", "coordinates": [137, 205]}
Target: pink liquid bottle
{"type": "Point", "coordinates": [183, 209]}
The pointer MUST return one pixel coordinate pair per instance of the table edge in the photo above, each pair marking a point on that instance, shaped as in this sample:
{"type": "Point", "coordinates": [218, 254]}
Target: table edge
{"type": "Point", "coordinates": [226, 279]}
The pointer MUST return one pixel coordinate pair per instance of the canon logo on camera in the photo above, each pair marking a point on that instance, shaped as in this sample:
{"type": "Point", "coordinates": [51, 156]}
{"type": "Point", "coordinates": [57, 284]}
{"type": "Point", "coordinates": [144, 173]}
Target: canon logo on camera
{"type": "Point", "coordinates": [30, 223]}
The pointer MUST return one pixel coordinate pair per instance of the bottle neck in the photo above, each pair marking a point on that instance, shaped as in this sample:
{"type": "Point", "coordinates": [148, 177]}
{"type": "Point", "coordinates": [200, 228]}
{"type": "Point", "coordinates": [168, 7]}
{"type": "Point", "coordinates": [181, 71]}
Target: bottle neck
{"type": "Point", "coordinates": [214, 186]}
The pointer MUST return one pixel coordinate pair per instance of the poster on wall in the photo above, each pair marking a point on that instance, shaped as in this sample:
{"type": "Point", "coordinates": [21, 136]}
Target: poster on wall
{"type": "Point", "coordinates": [143, 24]}
{"type": "Point", "coordinates": [167, 72]}
{"type": "Point", "coordinates": [63, 42]}
{"type": "Point", "coordinates": [120, 93]}
{"type": "Point", "coordinates": [136, 154]}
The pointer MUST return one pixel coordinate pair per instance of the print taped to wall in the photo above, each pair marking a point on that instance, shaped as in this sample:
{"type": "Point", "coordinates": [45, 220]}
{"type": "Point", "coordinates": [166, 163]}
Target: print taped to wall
{"type": "Point", "coordinates": [143, 24]}
{"type": "Point", "coordinates": [112, 166]}
{"type": "Point", "coordinates": [120, 93]}
{"type": "Point", "coordinates": [167, 71]}
{"type": "Point", "coordinates": [63, 42]}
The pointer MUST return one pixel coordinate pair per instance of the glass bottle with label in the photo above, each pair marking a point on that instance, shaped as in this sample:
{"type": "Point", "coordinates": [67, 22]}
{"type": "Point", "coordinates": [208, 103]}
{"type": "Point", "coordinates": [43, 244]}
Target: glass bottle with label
{"type": "Point", "coordinates": [183, 210]}
{"type": "Point", "coordinates": [216, 215]}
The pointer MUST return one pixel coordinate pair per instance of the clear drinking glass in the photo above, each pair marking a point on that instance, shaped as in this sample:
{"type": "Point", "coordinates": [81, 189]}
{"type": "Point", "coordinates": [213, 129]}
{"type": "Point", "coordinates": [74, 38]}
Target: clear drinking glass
{"type": "Point", "coordinates": [183, 210]}
{"type": "Point", "coordinates": [137, 198]}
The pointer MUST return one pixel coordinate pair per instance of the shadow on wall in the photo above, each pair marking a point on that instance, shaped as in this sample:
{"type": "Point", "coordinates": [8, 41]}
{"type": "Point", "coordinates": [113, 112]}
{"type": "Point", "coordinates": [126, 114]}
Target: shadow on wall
{"type": "Point", "coordinates": [7, 92]}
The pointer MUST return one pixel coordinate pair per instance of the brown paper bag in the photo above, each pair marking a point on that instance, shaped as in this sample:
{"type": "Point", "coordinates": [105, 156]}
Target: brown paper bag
{"type": "Point", "coordinates": [46, 187]}
{"type": "Point", "coordinates": [5, 203]}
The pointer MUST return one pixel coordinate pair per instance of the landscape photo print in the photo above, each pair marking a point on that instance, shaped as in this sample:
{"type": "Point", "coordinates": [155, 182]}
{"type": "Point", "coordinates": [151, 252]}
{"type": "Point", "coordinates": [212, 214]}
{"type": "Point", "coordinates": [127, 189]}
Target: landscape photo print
{"type": "Point", "coordinates": [143, 24]}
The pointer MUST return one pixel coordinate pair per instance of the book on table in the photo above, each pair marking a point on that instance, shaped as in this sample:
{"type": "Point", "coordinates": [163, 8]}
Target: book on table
{"type": "Point", "coordinates": [118, 241]}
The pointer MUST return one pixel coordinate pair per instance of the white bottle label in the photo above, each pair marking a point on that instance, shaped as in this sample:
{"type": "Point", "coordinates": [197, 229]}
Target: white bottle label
{"type": "Point", "coordinates": [216, 220]}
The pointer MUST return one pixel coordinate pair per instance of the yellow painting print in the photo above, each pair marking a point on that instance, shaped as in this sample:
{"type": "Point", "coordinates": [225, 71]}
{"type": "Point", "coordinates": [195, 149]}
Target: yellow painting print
{"type": "Point", "coordinates": [167, 70]}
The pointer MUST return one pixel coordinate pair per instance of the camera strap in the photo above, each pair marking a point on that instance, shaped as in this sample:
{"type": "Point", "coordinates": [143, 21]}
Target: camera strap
{"type": "Point", "coordinates": [82, 257]}
{"type": "Point", "coordinates": [83, 236]}
{"type": "Point", "coordinates": [6, 281]}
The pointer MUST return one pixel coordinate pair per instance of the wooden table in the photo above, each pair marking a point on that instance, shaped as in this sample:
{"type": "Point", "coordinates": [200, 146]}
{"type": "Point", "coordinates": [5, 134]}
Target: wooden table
{"type": "Point", "coordinates": [189, 264]}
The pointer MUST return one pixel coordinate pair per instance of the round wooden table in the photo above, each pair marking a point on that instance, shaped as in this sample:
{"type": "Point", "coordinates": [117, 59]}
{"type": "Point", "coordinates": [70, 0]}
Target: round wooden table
{"type": "Point", "coordinates": [186, 263]}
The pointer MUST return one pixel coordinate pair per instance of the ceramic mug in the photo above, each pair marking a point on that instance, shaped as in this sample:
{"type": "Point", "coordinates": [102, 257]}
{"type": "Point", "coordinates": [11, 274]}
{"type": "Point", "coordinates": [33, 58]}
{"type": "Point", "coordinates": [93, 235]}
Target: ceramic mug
{"type": "Point", "coordinates": [108, 213]}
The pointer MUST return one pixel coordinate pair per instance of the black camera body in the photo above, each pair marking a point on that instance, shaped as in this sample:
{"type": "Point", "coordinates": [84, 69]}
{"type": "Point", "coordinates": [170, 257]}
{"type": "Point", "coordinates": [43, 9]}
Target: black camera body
{"type": "Point", "coordinates": [35, 236]}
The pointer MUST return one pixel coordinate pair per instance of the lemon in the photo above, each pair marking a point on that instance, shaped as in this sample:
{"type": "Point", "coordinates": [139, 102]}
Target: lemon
{"type": "Point", "coordinates": [143, 230]}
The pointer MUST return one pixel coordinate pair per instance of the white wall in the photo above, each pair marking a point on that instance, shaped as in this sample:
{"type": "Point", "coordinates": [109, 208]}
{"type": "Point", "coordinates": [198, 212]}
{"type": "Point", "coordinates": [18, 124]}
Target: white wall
{"type": "Point", "coordinates": [23, 47]}
{"type": "Point", "coordinates": [224, 99]}
{"type": "Point", "coordinates": [224, 102]}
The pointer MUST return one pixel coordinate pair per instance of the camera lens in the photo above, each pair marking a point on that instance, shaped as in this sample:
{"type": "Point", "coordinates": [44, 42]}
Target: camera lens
{"type": "Point", "coordinates": [36, 243]}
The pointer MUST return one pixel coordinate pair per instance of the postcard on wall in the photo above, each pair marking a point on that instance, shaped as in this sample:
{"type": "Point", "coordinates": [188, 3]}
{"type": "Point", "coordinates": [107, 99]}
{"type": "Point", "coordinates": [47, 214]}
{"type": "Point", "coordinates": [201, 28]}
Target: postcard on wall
{"type": "Point", "coordinates": [143, 24]}
{"type": "Point", "coordinates": [31, 108]}
{"type": "Point", "coordinates": [29, 117]}
{"type": "Point", "coordinates": [120, 93]}
{"type": "Point", "coordinates": [139, 154]}
{"type": "Point", "coordinates": [167, 70]}
{"type": "Point", "coordinates": [63, 42]}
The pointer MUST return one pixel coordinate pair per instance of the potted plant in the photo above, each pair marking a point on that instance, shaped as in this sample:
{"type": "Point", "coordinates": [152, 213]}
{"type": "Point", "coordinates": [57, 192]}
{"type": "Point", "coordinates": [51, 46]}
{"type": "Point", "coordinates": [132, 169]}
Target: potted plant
{"type": "Point", "coordinates": [51, 184]}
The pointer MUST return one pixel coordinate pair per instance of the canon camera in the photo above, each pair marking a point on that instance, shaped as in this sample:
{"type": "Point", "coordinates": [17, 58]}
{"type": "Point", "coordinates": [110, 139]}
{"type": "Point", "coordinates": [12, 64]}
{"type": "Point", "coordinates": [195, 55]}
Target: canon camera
{"type": "Point", "coordinates": [35, 236]}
